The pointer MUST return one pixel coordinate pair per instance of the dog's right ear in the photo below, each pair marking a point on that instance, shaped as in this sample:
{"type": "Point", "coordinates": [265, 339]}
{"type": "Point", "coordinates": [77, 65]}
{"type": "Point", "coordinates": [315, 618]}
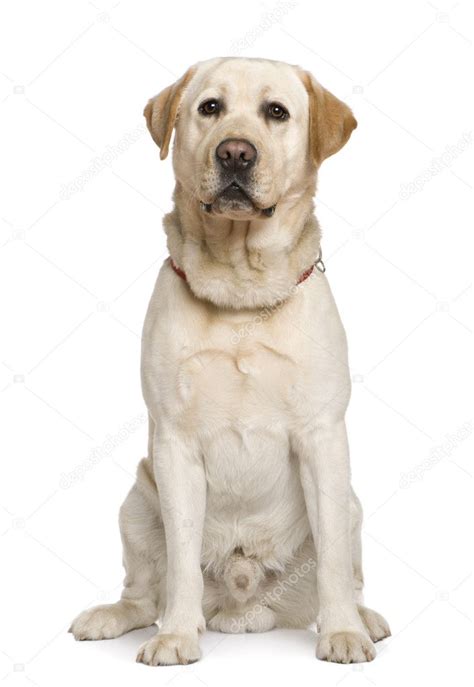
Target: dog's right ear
{"type": "Point", "coordinates": [161, 112]}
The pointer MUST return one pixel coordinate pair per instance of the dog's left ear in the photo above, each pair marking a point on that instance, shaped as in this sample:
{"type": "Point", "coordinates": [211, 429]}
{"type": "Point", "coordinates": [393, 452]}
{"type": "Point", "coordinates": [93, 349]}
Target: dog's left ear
{"type": "Point", "coordinates": [331, 121]}
{"type": "Point", "coordinates": [162, 110]}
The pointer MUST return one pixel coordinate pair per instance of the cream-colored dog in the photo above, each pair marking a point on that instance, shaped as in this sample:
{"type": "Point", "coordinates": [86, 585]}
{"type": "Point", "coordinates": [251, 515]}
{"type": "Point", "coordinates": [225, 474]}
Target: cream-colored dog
{"type": "Point", "coordinates": [242, 515]}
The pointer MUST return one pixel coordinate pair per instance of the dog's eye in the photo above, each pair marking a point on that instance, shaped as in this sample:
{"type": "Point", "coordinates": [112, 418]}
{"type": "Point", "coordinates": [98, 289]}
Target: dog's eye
{"type": "Point", "coordinates": [209, 107]}
{"type": "Point", "coordinates": [277, 111]}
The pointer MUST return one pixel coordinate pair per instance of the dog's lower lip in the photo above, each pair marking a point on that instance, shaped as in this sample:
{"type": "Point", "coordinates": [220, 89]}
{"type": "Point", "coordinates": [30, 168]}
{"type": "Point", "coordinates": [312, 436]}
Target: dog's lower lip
{"type": "Point", "coordinates": [268, 212]}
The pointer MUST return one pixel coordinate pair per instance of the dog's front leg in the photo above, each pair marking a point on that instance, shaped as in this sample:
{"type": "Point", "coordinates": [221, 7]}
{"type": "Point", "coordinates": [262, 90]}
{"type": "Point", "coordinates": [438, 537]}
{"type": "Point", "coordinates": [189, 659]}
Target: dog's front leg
{"type": "Point", "coordinates": [181, 482]}
{"type": "Point", "coordinates": [325, 473]}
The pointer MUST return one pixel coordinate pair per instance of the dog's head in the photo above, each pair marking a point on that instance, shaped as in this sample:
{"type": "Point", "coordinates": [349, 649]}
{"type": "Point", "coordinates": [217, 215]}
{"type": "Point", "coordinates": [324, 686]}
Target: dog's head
{"type": "Point", "coordinates": [249, 133]}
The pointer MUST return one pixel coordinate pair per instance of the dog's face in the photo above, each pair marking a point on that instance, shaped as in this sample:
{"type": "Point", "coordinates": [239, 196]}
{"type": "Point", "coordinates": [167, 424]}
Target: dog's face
{"type": "Point", "coordinates": [249, 133]}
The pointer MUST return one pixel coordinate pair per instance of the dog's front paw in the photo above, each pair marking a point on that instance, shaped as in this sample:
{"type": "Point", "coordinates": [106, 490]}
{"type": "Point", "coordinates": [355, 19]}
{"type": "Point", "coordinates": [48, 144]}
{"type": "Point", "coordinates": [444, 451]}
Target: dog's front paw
{"type": "Point", "coordinates": [345, 647]}
{"type": "Point", "coordinates": [169, 650]}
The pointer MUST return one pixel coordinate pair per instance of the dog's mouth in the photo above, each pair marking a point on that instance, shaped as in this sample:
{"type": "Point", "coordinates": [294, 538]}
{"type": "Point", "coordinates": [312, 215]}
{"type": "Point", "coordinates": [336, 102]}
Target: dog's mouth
{"type": "Point", "coordinates": [235, 192]}
{"type": "Point", "coordinates": [234, 201]}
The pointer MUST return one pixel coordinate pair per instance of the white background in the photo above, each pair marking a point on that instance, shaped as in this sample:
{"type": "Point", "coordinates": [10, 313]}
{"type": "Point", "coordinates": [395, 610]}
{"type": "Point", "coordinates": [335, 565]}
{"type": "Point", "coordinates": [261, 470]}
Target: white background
{"type": "Point", "coordinates": [77, 268]}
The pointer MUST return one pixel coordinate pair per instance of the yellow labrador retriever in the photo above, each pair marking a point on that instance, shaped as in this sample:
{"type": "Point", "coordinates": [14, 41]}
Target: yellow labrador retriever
{"type": "Point", "coordinates": [242, 516]}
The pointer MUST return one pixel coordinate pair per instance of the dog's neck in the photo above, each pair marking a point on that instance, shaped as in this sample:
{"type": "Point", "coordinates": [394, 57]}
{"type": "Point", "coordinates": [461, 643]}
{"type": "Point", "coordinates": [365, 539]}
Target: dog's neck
{"type": "Point", "coordinates": [243, 264]}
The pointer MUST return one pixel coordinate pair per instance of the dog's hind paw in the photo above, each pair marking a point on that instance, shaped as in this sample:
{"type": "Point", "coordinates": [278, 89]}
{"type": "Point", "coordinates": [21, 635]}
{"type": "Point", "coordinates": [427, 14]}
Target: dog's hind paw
{"type": "Point", "coordinates": [376, 625]}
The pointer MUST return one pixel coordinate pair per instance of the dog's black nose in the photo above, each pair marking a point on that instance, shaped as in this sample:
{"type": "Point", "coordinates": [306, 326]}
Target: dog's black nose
{"type": "Point", "coordinates": [236, 154]}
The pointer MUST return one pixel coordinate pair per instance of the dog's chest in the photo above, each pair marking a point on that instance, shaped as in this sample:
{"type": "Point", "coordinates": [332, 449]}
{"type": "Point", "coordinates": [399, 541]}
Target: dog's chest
{"type": "Point", "coordinates": [238, 398]}
{"type": "Point", "coordinates": [210, 373]}
{"type": "Point", "coordinates": [241, 385]}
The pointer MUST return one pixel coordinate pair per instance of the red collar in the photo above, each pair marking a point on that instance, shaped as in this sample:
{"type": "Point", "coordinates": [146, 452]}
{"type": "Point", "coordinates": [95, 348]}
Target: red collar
{"type": "Point", "coordinates": [303, 276]}
{"type": "Point", "coordinates": [181, 273]}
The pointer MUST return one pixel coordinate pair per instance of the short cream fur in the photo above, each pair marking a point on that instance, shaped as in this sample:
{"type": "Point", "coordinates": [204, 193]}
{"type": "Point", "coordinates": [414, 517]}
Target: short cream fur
{"type": "Point", "coordinates": [242, 517]}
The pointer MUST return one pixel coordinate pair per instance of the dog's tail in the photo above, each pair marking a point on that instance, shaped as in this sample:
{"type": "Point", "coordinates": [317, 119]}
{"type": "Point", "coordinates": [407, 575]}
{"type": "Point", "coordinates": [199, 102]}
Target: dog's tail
{"type": "Point", "coordinates": [242, 576]}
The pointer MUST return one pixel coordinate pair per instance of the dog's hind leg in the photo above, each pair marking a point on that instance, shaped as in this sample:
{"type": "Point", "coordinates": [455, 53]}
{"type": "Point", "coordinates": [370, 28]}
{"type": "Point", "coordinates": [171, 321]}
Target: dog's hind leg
{"type": "Point", "coordinates": [356, 527]}
{"type": "Point", "coordinates": [144, 559]}
{"type": "Point", "coordinates": [376, 625]}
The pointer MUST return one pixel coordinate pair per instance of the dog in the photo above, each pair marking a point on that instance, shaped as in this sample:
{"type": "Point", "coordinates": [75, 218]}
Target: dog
{"type": "Point", "coordinates": [242, 517]}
